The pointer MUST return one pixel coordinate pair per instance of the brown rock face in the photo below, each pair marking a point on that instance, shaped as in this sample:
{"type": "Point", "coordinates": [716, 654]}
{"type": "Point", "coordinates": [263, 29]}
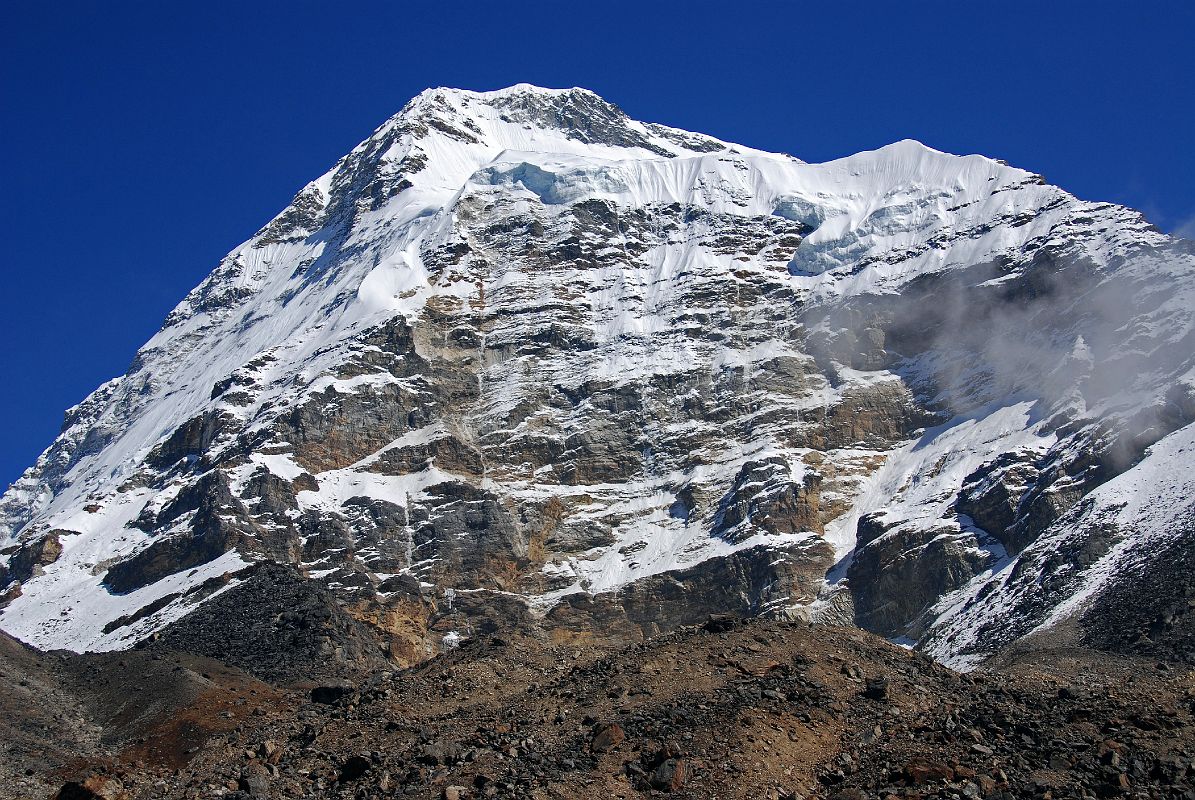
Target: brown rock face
{"type": "Point", "coordinates": [523, 453]}
{"type": "Point", "coordinates": [361, 424]}
{"type": "Point", "coordinates": [28, 560]}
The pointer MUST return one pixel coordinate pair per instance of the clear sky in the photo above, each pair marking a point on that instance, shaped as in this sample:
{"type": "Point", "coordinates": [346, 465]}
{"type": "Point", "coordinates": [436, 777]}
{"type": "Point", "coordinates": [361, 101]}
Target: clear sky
{"type": "Point", "coordinates": [143, 140]}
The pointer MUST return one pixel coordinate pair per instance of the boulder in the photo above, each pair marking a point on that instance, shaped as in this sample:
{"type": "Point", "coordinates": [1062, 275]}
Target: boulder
{"type": "Point", "coordinates": [606, 736]}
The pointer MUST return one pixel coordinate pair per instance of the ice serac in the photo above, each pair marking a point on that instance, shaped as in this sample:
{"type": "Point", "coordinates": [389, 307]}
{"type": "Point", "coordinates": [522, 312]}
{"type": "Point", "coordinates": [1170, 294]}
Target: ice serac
{"type": "Point", "coordinates": [518, 359]}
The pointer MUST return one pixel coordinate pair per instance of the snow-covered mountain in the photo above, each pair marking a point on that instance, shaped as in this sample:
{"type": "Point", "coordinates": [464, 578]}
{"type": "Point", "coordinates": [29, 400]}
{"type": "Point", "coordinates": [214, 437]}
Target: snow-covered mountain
{"type": "Point", "coordinates": [517, 348]}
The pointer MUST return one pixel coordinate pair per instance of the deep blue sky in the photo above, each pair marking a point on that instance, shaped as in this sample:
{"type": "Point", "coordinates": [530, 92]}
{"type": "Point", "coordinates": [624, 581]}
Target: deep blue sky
{"type": "Point", "coordinates": [143, 140]}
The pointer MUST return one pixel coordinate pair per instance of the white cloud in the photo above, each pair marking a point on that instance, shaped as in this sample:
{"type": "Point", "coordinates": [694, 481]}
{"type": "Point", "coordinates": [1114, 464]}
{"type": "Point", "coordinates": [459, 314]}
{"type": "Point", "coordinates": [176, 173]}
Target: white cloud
{"type": "Point", "coordinates": [1185, 229]}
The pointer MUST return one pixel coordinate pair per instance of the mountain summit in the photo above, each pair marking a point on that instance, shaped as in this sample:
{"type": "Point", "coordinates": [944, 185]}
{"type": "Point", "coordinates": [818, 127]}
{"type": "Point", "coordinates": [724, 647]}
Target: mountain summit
{"type": "Point", "coordinates": [518, 359]}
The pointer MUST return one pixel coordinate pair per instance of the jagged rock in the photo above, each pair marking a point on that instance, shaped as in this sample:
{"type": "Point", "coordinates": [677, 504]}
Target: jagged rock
{"type": "Point", "coordinates": [606, 737]}
{"type": "Point", "coordinates": [467, 531]}
{"type": "Point", "coordinates": [764, 497]}
{"type": "Point", "coordinates": [992, 495]}
{"type": "Point", "coordinates": [217, 522]}
{"type": "Point", "coordinates": [269, 751]}
{"type": "Point", "coordinates": [190, 440]}
{"type": "Point", "coordinates": [11, 593]}
{"type": "Point", "coordinates": [30, 558]}
{"type": "Point", "coordinates": [898, 573]}
{"type": "Point", "coordinates": [255, 779]}
{"type": "Point", "coordinates": [362, 423]}
{"type": "Point", "coordinates": [670, 775]}
{"type": "Point", "coordinates": [750, 581]}
{"type": "Point", "coordinates": [274, 496]}
{"type": "Point", "coordinates": [876, 688]}
{"type": "Point", "coordinates": [448, 454]}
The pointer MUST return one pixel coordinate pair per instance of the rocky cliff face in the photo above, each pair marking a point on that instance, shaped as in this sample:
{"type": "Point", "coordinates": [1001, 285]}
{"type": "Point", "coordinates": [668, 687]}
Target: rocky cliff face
{"type": "Point", "coordinates": [521, 361]}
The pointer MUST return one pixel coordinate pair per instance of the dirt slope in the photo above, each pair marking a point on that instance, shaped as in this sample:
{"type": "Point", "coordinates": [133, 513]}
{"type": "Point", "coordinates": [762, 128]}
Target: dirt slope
{"type": "Point", "coordinates": [725, 710]}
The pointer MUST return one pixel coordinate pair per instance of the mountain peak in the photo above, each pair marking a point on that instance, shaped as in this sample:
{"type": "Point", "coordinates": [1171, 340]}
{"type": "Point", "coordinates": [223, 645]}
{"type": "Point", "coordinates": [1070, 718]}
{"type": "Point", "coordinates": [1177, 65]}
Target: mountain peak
{"type": "Point", "coordinates": [515, 90]}
{"type": "Point", "coordinates": [519, 343]}
{"type": "Point", "coordinates": [525, 96]}
{"type": "Point", "coordinates": [511, 118]}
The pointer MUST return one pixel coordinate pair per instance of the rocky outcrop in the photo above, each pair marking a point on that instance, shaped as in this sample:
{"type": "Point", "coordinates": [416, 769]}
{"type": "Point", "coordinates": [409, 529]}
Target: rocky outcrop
{"type": "Point", "coordinates": [764, 497]}
{"type": "Point", "coordinates": [189, 441]}
{"type": "Point", "coordinates": [992, 496]}
{"type": "Point", "coordinates": [898, 574]}
{"type": "Point", "coordinates": [277, 625]}
{"type": "Point", "coordinates": [216, 522]}
{"type": "Point", "coordinates": [30, 559]}
{"type": "Point", "coordinates": [752, 582]}
{"type": "Point", "coordinates": [446, 453]}
{"type": "Point", "coordinates": [333, 430]}
{"type": "Point", "coordinates": [466, 537]}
